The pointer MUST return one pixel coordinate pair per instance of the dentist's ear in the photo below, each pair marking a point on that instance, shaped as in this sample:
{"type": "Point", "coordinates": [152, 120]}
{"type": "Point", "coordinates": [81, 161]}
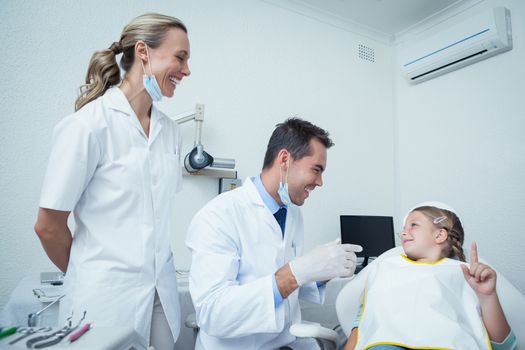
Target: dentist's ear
{"type": "Point", "coordinates": [441, 236]}
{"type": "Point", "coordinates": [283, 157]}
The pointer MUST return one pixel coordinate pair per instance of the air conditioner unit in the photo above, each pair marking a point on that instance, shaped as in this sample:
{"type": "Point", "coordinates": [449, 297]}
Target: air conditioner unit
{"type": "Point", "coordinates": [474, 39]}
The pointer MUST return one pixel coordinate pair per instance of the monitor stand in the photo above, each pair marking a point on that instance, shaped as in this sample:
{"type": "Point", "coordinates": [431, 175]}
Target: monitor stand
{"type": "Point", "coordinates": [362, 265]}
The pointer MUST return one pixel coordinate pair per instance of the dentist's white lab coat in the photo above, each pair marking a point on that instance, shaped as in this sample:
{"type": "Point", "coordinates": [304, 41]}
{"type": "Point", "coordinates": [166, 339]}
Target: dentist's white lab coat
{"type": "Point", "coordinates": [237, 246]}
{"type": "Point", "coordinates": [120, 185]}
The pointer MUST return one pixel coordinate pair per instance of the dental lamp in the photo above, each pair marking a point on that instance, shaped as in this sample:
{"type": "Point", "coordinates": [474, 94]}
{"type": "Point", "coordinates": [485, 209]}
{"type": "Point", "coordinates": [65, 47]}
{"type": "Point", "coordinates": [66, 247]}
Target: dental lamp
{"type": "Point", "coordinates": [198, 158]}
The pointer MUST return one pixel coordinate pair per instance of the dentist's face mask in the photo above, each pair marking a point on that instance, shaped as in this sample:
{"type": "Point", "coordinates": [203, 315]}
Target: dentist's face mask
{"type": "Point", "coordinates": [150, 82]}
{"type": "Point", "coordinates": [283, 188]}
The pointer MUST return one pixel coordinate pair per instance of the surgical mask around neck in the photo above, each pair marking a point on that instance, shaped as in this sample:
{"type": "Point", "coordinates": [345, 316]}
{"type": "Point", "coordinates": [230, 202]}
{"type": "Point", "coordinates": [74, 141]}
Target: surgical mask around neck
{"type": "Point", "coordinates": [283, 189]}
{"type": "Point", "coordinates": [150, 82]}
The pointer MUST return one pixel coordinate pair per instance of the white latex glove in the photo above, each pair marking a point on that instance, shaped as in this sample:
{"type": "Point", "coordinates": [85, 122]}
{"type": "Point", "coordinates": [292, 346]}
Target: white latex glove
{"type": "Point", "coordinates": [324, 262]}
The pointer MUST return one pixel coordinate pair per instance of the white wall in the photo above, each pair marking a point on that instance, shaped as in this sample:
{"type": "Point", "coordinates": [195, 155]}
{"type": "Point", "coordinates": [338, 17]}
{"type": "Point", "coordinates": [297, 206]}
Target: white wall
{"type": "Point", "coordinates": [253, 64]}
{"type": "Point", "coordinates": [459, 139]}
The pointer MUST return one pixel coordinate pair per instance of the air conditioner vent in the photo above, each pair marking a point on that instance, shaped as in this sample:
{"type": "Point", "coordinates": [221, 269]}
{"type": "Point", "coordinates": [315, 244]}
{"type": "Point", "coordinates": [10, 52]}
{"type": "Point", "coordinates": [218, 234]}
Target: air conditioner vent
{"type": "Point", "coordinates": [448, 64]}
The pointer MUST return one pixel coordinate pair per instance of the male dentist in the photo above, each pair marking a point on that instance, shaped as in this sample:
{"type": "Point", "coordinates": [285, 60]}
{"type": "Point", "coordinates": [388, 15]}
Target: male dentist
{"type": "Point", "coordinates": [248, 269]}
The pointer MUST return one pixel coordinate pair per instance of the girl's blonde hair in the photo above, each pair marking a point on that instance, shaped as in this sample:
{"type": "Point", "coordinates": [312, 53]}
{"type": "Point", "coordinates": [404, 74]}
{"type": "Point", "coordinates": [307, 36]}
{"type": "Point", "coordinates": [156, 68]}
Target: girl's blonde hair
{"type": "Point", "coordinates": [103, 71]}
{"type": "Point", "coordinates": [445, 219]}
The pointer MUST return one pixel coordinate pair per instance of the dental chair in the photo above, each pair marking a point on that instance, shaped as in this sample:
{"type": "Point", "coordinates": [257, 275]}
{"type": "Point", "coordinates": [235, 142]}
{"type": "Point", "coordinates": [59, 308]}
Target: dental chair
{"type": "Point", "coordinates": [348, 301]}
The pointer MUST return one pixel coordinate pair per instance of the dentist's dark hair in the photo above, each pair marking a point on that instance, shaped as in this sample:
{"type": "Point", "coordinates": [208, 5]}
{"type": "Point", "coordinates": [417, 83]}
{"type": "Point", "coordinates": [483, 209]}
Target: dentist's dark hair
{"type": "Point", "coordinates": [294, 135]}
{"type": "Point", "coordinates": [103, 70]}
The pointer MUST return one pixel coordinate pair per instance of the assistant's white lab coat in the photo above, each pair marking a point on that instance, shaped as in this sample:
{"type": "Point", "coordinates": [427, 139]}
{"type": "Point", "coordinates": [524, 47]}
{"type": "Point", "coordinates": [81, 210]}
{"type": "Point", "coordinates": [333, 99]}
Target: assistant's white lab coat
{"type": "Point", "coordinates": [237, 246]}
{"type": "Point", "coordinates": [120, 186]}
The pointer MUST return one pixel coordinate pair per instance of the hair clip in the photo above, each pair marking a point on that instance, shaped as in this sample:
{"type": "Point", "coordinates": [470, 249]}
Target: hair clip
{"type": "Point", "coordinates": [439, 220]}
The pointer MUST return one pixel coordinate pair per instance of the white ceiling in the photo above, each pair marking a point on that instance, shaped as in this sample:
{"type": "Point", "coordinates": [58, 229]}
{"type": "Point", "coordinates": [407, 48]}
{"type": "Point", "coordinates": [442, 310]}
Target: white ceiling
{"type": "Point", "coordinates": [389, 17]}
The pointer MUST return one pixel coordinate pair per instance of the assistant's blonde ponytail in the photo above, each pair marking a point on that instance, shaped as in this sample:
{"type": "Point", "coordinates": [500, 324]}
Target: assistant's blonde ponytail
{"type": "Point", "coordinates": [103, 72]}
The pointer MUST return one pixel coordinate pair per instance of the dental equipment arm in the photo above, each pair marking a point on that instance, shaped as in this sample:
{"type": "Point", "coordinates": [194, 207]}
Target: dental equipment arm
{"type": "Point", "coordinates": [198, 158]}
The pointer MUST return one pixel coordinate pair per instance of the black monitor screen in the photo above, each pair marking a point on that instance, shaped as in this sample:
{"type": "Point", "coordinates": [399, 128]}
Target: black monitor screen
{"type": "Point", "coordinates": [374, 233]}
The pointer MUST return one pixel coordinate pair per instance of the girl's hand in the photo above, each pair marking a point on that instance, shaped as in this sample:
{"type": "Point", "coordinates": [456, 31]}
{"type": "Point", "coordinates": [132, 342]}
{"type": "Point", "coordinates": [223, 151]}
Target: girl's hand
{"type": "Point", "coordinates": [480, 277]}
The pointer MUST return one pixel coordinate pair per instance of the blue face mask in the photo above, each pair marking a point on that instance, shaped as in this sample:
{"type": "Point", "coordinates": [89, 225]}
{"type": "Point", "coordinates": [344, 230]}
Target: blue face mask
{"type": "Point", "coordinates": [152, 87]}
{"type": "Point", "coordinates": [283, 190]}
{"type": "Point", "coordinates": [150, 82]}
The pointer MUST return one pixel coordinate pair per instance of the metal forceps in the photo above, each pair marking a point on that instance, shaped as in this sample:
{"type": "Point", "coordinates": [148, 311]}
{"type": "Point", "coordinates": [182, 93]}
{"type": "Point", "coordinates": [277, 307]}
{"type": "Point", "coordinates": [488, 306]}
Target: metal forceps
{"type": "Point", "coordinates": [56, 337]}
{"type": "Point", "coordinates": [26, 332]}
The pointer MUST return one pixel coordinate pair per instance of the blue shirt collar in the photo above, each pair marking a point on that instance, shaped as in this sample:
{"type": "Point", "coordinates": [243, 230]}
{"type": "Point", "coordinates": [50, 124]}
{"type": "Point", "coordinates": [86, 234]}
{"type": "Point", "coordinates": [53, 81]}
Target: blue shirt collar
{"type": "Point", "coordinates": [268, 200]}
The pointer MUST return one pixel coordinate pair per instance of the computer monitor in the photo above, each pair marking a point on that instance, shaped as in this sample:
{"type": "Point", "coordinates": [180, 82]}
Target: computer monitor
{"type": "Point", "coordinates": [374, 233]}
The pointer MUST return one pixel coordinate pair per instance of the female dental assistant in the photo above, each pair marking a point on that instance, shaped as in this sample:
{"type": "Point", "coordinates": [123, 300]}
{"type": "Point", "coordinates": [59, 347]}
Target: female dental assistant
{"type": "Point", "coordinates": [115, 164]}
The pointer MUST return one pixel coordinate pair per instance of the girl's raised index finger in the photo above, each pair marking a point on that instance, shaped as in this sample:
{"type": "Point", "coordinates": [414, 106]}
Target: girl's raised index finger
{"type": "Point", "coordinates": [473, 253]}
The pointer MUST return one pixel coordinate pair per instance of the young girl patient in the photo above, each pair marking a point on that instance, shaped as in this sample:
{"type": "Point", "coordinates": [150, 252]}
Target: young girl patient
{"type": "Point", "coordinates": [424, 299]}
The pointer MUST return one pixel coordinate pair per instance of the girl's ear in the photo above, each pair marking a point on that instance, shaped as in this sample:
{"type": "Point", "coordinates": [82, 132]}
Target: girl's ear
{"type": "Point", "coordinates": [441, 236]}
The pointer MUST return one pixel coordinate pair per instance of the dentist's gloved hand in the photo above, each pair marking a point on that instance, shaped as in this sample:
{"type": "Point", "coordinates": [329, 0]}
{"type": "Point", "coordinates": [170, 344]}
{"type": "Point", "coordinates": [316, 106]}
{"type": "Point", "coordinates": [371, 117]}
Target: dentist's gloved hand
{"type": "Point", "coordinates": [325, 262]}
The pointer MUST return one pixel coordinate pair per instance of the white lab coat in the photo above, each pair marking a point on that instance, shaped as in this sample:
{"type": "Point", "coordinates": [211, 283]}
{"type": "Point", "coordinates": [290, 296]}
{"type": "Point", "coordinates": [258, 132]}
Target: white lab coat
{"type": "Point", "coordinates": [237, 246]}
{"type": "Point", "coordinates": [120, 186]}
